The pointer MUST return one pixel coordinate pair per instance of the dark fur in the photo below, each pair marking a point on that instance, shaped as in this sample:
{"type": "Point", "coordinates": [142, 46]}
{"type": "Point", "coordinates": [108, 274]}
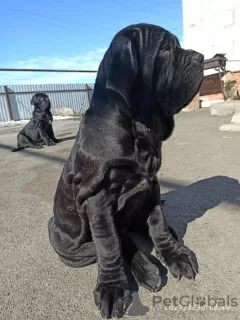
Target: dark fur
{"type": "Point", "coordinates": [108, 188]}
{"type": "Point", "coordinates": [38, 131]}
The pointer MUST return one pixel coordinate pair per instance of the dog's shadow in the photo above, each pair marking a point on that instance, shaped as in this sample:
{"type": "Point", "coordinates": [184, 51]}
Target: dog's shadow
{"type": "Point", "coordinates": [66, 139]}
{"type": "Point", "coordinates": [186, 204]}
{"type": "Point", "coordinates": [182, 206]}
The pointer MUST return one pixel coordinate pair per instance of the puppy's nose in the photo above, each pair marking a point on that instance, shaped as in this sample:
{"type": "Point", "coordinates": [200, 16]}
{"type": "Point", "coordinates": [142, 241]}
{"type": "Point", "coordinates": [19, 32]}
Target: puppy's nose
{"type": "Point", "coordinates": [197, 56]}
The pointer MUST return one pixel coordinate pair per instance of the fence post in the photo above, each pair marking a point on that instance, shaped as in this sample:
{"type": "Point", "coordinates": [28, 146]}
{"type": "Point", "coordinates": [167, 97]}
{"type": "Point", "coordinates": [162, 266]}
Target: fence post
{"type": "Point", "coordinates": [8, 102]}
{"type": "Point", "coordinates": [87, 89]}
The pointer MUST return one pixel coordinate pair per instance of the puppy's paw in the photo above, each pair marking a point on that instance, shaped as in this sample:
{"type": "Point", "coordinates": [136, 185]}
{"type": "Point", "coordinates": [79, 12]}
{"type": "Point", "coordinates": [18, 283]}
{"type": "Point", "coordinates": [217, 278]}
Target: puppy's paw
{"type": "Point", "coordinates": [146, 272]}
{"type": "Point", "coordinates": [112, 299]}
{"type": "Point", "coordinates": [181, 262]}
{"type": "Point", "coordinates": [51, 143]}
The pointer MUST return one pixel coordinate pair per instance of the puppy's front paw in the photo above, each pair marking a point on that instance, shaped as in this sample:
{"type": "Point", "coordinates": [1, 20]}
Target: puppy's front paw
{"type": "Point", "coordinates": [112, 299]}
{"type": "Point", "coordinates": [181, 262]}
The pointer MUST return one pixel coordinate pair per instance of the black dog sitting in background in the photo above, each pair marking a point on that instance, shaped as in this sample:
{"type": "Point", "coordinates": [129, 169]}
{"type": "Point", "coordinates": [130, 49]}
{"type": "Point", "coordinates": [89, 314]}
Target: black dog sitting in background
{"type": "Point", "coordinates": [109, 189]}
{"type": "Point", "coordinates": [38, 131]}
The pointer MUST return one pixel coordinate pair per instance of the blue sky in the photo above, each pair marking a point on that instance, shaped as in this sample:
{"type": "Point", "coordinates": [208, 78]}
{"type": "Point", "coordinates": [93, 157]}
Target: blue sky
{"type": "Point", "coordinates": [71, 34]}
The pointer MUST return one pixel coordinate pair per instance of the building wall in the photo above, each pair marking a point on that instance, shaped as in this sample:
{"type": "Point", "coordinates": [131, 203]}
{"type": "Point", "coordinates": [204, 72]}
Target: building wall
{"type": "Point", "coordinates": [213, 26]}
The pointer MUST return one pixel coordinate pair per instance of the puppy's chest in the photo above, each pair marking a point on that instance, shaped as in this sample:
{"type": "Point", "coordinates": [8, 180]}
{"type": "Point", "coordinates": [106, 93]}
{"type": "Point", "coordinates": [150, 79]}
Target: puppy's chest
{"type": "Point", "coordinates": [47, 122]}
{"type": "Point", "coordinates": [44, 123]}
{"type": "Point", "coordinates": [147, 150]}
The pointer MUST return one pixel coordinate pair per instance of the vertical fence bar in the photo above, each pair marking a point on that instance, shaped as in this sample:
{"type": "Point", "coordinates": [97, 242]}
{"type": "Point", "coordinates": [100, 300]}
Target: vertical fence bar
{"type": "Point", "coordinates": [87, 89]}
{"type": "Point", "coordinates": [8, 102]}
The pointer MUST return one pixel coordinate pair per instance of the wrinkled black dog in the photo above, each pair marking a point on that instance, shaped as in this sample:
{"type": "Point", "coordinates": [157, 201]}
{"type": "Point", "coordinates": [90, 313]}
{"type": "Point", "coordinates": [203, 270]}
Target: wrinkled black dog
{"type": "Point", "coordinates": [108, 189]}
{"type": "Point", "coordinates": [39, 130]}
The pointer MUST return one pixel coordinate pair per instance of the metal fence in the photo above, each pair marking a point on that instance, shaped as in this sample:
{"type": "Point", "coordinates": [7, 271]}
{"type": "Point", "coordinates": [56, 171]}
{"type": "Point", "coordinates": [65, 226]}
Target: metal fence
{"type": "Point", "coordinates": [15, 99]}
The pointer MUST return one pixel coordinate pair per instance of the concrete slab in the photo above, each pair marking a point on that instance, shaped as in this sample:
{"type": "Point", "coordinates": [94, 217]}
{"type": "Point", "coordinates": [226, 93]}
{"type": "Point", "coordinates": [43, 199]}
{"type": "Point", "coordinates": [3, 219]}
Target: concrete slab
{"type": "Point", "coordinates": [231, 127]}
{"type": "Point", "coordinates": [200, 181]}
{"type": "Point", "coordinates": [236, 118]}
{"type": "Point", "coordinates": [207, 103]}
{"type": "Point", "coordinates": [222, 109]}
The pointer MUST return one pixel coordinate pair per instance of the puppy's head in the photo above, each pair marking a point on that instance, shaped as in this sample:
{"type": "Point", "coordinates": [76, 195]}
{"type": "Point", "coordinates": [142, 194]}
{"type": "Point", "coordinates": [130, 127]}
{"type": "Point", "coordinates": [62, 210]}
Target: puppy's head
{"type": "Point", "coordinates": [41, 101]}
{"type": "Point", "coordinates": [178, 77]}
{"type": "Point", "coordinates": [147, 67]}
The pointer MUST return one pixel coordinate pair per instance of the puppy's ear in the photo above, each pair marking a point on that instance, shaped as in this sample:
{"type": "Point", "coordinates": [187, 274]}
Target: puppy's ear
{"type": "Point", "coordinates": [122, 67]}
{"type": "Point", "coordinates": [34, 100]}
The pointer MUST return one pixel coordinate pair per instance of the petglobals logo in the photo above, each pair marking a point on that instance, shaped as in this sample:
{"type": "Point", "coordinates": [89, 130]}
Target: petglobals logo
{"type": "Point", "coordinates": [196, 303]}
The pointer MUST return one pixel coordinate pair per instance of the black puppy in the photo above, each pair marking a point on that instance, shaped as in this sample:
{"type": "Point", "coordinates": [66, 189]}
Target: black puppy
{"type": "Point", "coordinates": [108, 189]}
{"type": "Point", "coordinates": [38, 131]}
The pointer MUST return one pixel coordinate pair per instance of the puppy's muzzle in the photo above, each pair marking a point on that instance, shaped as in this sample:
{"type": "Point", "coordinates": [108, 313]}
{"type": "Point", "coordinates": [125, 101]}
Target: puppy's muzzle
{"type": "Point", "coordinates": [197, 56]}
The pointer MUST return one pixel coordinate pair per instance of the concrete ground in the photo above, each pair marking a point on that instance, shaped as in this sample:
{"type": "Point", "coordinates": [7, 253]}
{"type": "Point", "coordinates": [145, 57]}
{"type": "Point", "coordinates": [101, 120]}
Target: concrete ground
{"type": "Point", "coordinates": [200, 181]}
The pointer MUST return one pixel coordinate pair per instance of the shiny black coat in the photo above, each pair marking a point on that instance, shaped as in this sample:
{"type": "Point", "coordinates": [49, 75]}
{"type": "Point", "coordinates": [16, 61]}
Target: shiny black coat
{"type": "Point", "coordinates": [108, 188]}
{"type": "Point", "coordinates": [38, 131]}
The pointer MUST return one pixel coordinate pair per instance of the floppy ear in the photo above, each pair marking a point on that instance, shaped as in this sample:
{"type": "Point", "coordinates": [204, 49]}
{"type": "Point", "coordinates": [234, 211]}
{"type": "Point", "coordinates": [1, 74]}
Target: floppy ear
{"type": "Point", "coordinates": [34, 100]}
{"type": "Point", "coordinates": [122, 67]}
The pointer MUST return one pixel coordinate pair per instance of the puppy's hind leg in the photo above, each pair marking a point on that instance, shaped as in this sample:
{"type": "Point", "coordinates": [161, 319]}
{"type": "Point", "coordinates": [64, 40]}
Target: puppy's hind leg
{"type": "Point", "coordinates": [144, 267]}
{"type": "Point", "coordinates": [24, 142]}
{"type": "Point", "coordinates": [72, 256]}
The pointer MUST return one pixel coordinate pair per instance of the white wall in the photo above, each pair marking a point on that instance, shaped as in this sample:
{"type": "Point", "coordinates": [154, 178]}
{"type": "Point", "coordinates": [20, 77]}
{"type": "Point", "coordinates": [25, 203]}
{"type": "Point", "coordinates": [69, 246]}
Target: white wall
{"type": "Point", "coordinates": [213, 26]}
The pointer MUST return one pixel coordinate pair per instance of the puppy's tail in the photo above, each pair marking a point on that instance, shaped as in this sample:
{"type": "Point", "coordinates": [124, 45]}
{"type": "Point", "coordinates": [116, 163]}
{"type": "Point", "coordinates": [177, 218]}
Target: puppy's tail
{"type": "Point", "coordinates": [17, 149]}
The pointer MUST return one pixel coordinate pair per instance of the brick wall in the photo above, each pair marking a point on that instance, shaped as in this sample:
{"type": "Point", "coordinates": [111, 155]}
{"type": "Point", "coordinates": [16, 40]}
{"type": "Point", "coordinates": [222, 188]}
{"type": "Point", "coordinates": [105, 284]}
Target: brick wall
{"type": "Point", "coordinates": [212, 97]}
{"type": "Point", "coordinates": [219, 96]}
{"type": "Point", "coordinates": [207, 99]}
